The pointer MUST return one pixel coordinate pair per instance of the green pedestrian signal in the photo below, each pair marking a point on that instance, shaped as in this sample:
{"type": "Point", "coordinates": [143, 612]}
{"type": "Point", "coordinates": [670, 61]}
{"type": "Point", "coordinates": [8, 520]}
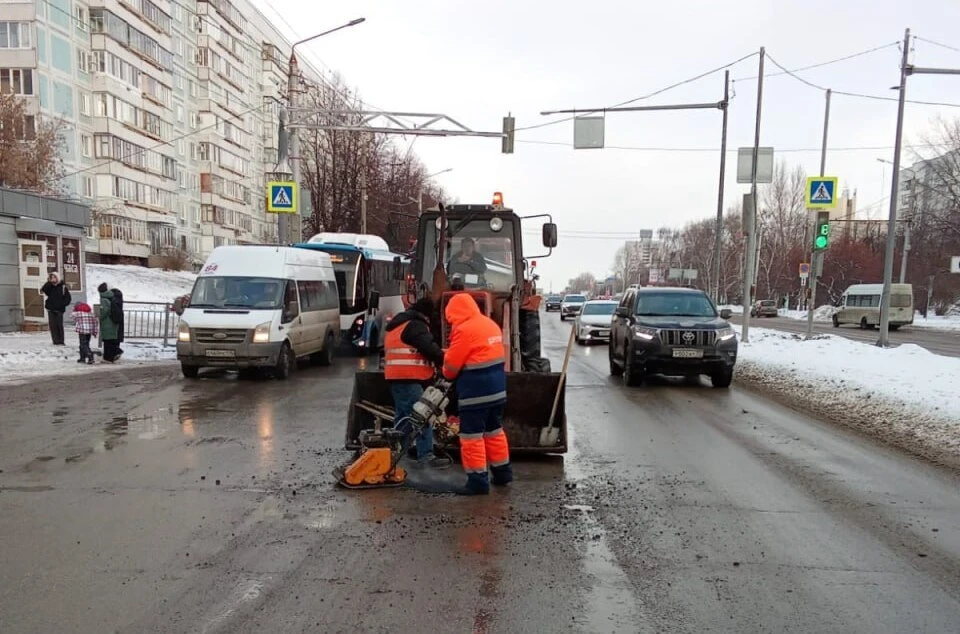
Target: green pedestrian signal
{"type": "Point", "coordinates": [821, 237]}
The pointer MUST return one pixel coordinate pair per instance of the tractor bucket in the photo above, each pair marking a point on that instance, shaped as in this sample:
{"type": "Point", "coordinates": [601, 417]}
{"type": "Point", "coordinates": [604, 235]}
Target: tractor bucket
{"type": "Point", "coordinates": [529, 401]}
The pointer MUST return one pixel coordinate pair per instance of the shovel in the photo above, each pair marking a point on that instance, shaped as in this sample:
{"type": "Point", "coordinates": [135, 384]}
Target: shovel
{"type": "Point", "coordinates": [549, 435]}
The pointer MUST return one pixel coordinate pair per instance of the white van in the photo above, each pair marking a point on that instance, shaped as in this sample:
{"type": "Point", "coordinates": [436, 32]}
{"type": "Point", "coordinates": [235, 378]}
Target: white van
{"type": "Point", "coordinates": [860, 304]}
{"type": "Point", "coordinates": [260, 306]}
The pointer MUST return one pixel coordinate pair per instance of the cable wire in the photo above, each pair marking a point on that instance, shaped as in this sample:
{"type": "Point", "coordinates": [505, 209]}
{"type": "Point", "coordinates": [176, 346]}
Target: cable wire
{"type": "Point", "coordinates": [822, 64]}
{"type": "Point", "coordinates": [857, 94]}
{"type": "Point", "coordinates": [734, 150]}
{"type": "Point", "coordinates": [946, 46]}
{"type": "Point", "coordinates": [641, 98]}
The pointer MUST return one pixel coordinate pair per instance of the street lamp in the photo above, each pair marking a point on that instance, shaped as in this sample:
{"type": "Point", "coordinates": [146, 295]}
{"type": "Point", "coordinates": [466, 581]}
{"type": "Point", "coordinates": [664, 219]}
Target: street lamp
{"type": "Point", "coordinates": [425, 179]}
{"type": "Point", "coordinates": [293, 140]}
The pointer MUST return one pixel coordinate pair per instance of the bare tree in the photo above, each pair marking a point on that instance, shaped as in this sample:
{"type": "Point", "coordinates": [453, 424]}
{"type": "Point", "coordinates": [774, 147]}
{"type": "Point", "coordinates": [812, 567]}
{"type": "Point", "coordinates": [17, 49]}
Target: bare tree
{"type": "Point", "coordinates": [31, 149]}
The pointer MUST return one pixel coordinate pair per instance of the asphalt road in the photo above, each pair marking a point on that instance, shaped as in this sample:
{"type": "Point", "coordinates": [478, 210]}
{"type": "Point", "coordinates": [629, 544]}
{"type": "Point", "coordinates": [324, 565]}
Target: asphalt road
{"type": "Point", "coordinates": [140, 502]}
{"type": "Point", "coordinates": [942, 342]}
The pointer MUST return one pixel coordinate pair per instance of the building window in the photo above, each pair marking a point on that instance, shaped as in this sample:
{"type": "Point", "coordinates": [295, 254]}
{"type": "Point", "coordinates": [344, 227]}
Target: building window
{"type": "Point", "coordinates": [194, 120]}
{"type": "Point", "coordinates": [85, 104]}
{"type": "Point", "coordinates": [83, 61]}
{"type": "Point", "coordinates": [18, 81]}
{"type": "Point", "coordinates": [88, 191]}
{"type": "Point", "coordinates": [86, 145]}
{"type": "Point", "coordinates": [82, 19]}
{"type": "Point", "coordinates": [15, 35]}
{"type": "Point", "coordinates": [179, 115]}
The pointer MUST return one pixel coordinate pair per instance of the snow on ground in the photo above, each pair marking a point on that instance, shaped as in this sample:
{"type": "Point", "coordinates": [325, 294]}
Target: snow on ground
{"type": "Point", "coordinates": [822, 314]}
{"type": "Point", "coordinates": [138, 283]}
{"type": "Point", "coordinates": [26, 356]}
{"type": "Point", "coordinates": [905, 395]}
{"type": "Point", "coordinates": [934, 322]}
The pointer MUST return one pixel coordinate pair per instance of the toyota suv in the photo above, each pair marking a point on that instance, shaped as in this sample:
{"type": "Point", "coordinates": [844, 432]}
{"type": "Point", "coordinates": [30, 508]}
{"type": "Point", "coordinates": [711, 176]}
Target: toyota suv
{"type": "Point", "coordinates": [671, 331]}
{"type": "Point", "coordinates": [571, 305]}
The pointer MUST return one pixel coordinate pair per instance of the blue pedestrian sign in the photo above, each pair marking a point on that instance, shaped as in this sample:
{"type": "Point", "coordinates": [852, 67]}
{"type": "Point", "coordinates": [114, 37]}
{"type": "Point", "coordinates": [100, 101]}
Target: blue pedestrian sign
{"type": "Point", "coordinates": [821, 192]}
{"type": "Point", "coordinates": [282, 197]}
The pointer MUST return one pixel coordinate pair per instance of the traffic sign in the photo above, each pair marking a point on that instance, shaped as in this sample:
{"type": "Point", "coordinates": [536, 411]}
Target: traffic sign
{"type": "Point", "coordinates": [955, 264]}
{"type": "Point", "coordinates": [821, 192]}
{"type": "Point", "coordinates": [804, 270]}
{"type": "Point", "coordinates": [282, 197]}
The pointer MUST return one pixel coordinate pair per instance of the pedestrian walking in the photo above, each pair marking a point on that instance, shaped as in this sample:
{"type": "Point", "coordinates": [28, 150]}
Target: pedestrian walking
{"type": "Point", "coordinates": [108, 324]}
{"type": "Point", "coordinates": [58, 298]}
{"type": "Point", "coordinates": [87, 327]}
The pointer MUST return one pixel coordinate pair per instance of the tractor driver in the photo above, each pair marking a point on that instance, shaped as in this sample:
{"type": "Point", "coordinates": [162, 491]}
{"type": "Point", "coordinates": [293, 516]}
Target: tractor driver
{"type": "Point", "coordinates": [468, 261]}
{"type": "Point", "coordinates": [411, 356]}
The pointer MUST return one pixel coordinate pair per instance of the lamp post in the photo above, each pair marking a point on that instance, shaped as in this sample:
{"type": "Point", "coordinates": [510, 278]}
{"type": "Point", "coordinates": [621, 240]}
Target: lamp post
{"type": "Point", "coordinates": [293, 140]}
{"type": "Point", "coordinates": [419, 200]}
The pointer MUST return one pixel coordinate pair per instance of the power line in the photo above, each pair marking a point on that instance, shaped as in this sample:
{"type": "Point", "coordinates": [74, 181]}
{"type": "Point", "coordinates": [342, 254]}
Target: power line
{"type": "Point", "coordinates": [821, 64]}
{"type": "Point", "coordinates": [641, 98]}
{"type": "Point", "coordinates": [857, 94]}
{"type": "Point", "coordinates": [946, 46]}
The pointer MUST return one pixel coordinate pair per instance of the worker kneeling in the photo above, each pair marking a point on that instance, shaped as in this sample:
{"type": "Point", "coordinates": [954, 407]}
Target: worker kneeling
{"type": "Point", "coordinates": [475, 359]}
{"type": "Point", "coordinates": [411, 355]}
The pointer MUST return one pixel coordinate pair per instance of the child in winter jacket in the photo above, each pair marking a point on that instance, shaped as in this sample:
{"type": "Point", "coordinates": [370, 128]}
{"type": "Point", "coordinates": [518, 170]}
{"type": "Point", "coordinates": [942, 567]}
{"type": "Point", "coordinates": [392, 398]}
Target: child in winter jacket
{"type": "Point", "coordinates": [87, 326]}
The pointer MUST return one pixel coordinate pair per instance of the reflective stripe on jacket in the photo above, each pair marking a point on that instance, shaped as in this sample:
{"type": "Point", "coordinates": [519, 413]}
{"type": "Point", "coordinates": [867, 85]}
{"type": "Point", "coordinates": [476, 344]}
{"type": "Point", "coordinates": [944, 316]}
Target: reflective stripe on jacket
{"type": "Point", "coordinates": [402, 362]}
{"type": "Point", "coordinates": [475, 357]}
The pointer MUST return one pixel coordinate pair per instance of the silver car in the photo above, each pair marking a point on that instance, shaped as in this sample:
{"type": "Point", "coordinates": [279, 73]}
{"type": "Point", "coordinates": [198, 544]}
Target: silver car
{"type": "Point", "coordinates": [593, 322]}
{"type": "Point", "coordinates": [570, 306]}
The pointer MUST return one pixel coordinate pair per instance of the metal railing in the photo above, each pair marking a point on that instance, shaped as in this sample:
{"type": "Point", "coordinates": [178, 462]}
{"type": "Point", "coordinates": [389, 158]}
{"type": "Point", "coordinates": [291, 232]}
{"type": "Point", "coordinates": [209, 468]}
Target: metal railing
{"type": "Point", "coordinates": [149, 320]}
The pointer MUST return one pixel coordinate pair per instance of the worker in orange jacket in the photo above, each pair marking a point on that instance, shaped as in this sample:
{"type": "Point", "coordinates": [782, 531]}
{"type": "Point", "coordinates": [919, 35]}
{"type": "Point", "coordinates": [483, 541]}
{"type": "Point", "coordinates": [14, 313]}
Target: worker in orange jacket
{"type": "Point", "coordinates": [475, 359]}
{"type": "Point", "coordinates": [412, 356]}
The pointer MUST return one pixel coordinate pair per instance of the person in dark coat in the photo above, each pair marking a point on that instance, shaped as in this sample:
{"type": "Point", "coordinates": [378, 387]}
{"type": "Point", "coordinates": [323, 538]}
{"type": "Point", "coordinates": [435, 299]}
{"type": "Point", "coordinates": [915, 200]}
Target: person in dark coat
{"type": "Point", "coordinates": [108, 328]}
{"type": "Point", "coordinates": [58, 298]}
{"type": "Point", "coordinates": [118, 298]}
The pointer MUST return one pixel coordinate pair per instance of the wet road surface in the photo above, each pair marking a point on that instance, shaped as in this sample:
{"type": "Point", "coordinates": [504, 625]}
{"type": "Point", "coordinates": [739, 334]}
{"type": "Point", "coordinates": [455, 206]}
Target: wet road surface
{"type": "Point", "coordinates": [942, 342]}
{"type": "Point", "coordinates": [141, 502]}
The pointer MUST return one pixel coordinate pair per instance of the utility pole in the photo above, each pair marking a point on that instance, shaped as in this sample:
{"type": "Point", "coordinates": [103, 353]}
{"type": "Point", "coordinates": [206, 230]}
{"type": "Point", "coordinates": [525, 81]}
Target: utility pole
{"type": "Point", "coordinates": [750, 219]}
{"type": "Point", "coordinates": [884, 340]}
{"type": "Point", "coordinates": [816, 256]}
{"type": "Point", "coordinates": [906, 69]}
{"type": "Point", "coordinates": [293, 147]}
{"type": "Point", "coordinates": [363, 182]}
{"type": "Point", "coordinates": [906, 249]}
{"type": "Point", "coordinates": [718, 238]}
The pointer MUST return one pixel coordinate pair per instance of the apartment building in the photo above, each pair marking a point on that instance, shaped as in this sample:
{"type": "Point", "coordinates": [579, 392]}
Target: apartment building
{"type": "Point", "coordinates": [923, 183]}
{"type": "Point", "coordinates": [170, 112]}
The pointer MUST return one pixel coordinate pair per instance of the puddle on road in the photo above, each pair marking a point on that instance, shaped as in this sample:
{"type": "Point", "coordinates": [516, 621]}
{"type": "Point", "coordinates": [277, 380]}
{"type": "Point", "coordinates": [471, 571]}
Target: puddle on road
{"type": "Point", "coordinates": [610, 605]}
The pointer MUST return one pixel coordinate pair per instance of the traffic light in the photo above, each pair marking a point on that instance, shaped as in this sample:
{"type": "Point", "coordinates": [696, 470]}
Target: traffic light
{"type": "Point", "coordinates": [821, 237]}
{"type": "Point", "coordinates": [506, 142]}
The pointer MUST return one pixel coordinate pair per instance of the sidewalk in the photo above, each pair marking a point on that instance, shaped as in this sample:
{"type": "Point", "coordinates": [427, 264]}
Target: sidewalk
{"type": "Point", "coordinates": [24, 356]}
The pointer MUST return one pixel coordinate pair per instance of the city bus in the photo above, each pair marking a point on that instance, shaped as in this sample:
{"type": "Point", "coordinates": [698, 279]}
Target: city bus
{"type": "Point", "coordinates": [860, 304]}
{"type": "Point", "coordinates": [371, 281]}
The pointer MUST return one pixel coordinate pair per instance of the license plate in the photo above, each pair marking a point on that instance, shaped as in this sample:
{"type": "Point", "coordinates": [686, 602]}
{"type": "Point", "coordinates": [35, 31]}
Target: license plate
{"type": "Point", "coordinates": [687, 353]}
{"type": "Point", "coordinates": [222, 354]}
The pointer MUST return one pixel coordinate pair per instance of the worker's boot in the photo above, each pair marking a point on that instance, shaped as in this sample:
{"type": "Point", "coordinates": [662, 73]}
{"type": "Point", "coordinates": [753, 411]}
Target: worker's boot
{"type": "Point", "coordinates": [430, 461]}
{"type": "Point", "coordinates": [477, 484]}
{"type": "Point", "coordinates": [502, 475]}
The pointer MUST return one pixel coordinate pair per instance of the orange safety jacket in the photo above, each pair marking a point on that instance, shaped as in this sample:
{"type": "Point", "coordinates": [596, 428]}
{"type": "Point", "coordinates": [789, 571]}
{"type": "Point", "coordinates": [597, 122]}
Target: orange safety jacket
{"type": "Point", "coordinates": [402, 362]}
{"type": "Point", "coordinates": [475, 357]}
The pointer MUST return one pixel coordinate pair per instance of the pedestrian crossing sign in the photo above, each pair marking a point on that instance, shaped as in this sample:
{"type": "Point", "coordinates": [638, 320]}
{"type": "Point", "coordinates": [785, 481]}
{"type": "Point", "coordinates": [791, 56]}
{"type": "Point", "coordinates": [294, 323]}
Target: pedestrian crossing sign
{"type": "Point", "coordinates": [282, 197]}
{"type": "Point", "coordinates": [821, 192]}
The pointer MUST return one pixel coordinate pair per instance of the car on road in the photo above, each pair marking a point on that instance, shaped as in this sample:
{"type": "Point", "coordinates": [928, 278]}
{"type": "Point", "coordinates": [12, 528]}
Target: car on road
{"type": "Point", "coordinates": [256, 306]}
{"type": "Point", "coordinates": [674, 332]}
{"type": "Point", "coordinates": [571, 305]}
{"type": "Point", "coordinates": [553, 302]}
{"type": "Point", "coordinates": [764, 308]}
{"type": "Point", "coordinates": [594, 321]}
{"type": "Point", "coordinates": [860, 304]}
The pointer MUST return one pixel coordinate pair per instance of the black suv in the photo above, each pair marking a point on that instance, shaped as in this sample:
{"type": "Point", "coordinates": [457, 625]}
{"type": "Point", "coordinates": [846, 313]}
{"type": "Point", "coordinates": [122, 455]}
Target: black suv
{"type": "Point", "coordinates": [553, 302]}
{"type": "Point", "coordinates": [671, 331]}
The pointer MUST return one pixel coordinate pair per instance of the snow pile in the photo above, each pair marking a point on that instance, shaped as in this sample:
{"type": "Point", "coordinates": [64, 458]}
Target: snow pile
{"type": "Point", "coordinates": [736, 310]}
{"type": "Point", "coordinates": [905, 395]}
{"type": "Point", "coordinates": [138, 283]}
{"type": "Point", "coordinates": [822, 314]}
{"type": "Point", "coordinates": [934, 322]}
{"type": "Point", "coordinates": [25, 356]}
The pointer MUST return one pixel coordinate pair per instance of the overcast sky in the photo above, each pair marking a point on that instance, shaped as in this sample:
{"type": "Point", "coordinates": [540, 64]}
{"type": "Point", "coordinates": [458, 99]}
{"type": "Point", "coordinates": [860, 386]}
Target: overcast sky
{"type": "Point", "coordinates": [477, 60]}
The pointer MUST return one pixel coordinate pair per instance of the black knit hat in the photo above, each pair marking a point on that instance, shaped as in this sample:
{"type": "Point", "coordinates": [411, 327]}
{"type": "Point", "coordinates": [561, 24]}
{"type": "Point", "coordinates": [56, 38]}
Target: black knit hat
{"type": "Point", "coordinates": [424, 306]}
{"type": "Point", "coordinates": [102, 288]}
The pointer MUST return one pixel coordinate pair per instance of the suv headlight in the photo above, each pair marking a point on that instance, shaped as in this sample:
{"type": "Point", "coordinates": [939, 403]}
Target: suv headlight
{"type": "Point", "coordinates": [646, 334]}
{"type": "Point", "coordinates": [183, 332]}
{"type": "Point", "coordinates": [725, 334]}
{"type": "Point", "coordinates": [261, 334]}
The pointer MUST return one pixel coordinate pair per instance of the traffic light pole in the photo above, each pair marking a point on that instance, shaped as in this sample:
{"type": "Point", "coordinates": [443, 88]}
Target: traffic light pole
{"type": "Point", "coordinates": [815, 254]}
{"type": "Point", "coordinates": [750, 219]}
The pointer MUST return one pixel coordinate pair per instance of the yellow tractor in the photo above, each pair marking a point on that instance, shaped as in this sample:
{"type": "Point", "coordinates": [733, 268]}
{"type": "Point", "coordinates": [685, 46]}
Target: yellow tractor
{"type": "Point", "coordinates": [481, 253]}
